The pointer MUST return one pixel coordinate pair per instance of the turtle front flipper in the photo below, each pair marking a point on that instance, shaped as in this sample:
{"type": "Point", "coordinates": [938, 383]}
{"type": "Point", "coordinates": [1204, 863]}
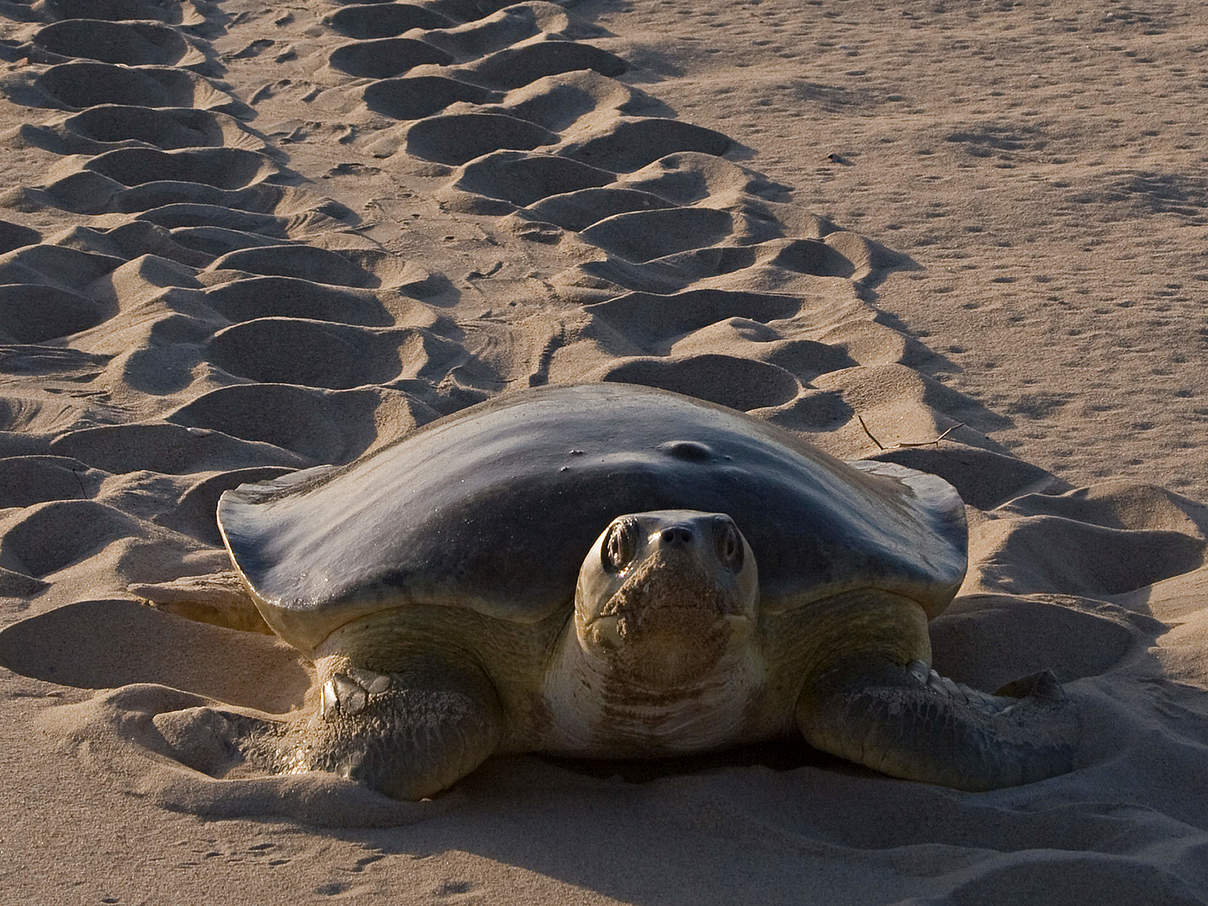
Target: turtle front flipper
{"type": "Point", "coordinates": [409, 732]}
{"type": "Point", "coordinates": [909, 722]}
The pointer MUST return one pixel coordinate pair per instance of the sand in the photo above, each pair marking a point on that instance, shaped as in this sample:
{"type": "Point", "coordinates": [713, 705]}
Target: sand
{"type": "Point", "coordinates": [236, 241]}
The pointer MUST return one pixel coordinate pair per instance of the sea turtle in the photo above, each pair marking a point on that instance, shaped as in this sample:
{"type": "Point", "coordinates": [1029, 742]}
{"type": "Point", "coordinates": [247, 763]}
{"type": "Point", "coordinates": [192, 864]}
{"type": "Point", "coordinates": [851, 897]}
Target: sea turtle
{"type": "Point", "coordinates": [614, 571]}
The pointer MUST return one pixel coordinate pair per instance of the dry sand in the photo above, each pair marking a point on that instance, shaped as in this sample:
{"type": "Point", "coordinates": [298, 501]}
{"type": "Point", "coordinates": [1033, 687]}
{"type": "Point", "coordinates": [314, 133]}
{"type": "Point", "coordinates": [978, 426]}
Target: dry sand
{"type": "Point", "coordinates": [236, 241]}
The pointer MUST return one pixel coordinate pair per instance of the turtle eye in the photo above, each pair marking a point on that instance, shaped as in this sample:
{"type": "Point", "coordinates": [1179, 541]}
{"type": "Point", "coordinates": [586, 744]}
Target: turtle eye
{"type": "Point", "coordinates": [620, 544]}
{"type": "Point", "coordinates": [728, 543]}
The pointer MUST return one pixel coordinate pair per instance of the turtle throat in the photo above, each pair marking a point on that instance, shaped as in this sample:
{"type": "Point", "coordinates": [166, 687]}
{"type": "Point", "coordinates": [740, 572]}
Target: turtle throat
{"type": "Point", "coordinates": [669, 625]}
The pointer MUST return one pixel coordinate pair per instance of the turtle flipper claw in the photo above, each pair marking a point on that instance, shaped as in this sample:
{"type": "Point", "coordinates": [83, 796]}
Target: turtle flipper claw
{"type": "Point", "coordinates": [350, 691]}
{"type": "Point", "coordinates": [1042, 685]}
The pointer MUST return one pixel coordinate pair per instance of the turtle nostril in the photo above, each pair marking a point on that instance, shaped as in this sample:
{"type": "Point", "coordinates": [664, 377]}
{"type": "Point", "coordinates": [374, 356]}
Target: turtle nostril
{"type": "Point", "coordinates": [677, 534]}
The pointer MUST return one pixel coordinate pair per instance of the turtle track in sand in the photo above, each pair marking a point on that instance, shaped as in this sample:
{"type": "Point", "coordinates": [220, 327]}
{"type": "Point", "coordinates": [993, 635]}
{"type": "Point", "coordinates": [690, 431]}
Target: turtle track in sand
{"type": "Point", "coordinates": [198, 308]}
{"type": "Point", "coordinates": [162, 318]}
{"type": "Point", "coordinates": [198, 264]}
{"type": "Point", "coordinates": [523, 118]}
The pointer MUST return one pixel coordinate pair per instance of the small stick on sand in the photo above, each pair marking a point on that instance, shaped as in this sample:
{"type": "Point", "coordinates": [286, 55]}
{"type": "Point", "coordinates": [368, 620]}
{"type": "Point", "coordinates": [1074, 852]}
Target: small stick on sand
{"type": "Point", "coordinates": [918, 443]}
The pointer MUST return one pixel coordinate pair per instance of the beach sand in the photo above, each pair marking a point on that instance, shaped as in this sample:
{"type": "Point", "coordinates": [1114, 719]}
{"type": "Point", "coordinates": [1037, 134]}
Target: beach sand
{"type": "Point", "coordinates": [237, 241]}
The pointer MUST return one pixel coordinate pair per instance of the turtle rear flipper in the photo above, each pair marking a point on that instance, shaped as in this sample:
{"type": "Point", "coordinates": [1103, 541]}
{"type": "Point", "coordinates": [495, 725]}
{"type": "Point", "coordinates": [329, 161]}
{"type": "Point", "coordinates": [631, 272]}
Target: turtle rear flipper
{"type": "Point", "coordinates": [912, 723]}
{"type": "Point", "coordinates": [218, 598]}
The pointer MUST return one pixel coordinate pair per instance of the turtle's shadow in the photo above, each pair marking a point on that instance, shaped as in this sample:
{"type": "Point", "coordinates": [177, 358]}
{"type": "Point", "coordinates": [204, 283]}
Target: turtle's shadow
{"type": "Point", "coordinates": [774, 754]}
{"type": "Point", "coordinates": [103, 644]}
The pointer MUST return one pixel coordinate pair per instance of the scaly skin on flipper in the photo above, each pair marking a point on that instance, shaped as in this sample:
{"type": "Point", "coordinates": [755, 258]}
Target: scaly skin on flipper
{"type": "Point", "coordinates": [408, 726]}
{"type": "Point", "coordinates": [910, 722]}
{"type": "Point", "coordinates": [868, 695]}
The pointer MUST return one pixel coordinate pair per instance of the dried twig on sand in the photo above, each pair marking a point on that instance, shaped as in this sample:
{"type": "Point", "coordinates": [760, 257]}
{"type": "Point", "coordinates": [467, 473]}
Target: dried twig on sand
{"type": "Point", "coordinates": [919, 443]}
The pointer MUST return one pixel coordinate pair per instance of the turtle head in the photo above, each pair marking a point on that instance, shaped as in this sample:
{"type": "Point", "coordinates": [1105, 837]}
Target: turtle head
{"type": "Point", "coordinates": [663, 596]}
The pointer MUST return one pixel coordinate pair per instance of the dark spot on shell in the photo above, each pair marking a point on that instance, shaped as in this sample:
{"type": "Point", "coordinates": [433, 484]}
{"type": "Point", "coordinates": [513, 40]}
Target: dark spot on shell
{"type": "Point", "coordinates": [687, 450]}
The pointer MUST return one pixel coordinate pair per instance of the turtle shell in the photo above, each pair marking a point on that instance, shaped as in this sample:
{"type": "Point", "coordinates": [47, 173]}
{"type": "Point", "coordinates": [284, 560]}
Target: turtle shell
{"type": "Point", "coordinates": [494, 508]}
